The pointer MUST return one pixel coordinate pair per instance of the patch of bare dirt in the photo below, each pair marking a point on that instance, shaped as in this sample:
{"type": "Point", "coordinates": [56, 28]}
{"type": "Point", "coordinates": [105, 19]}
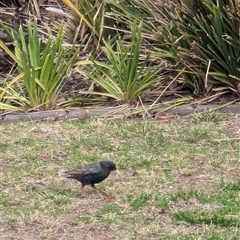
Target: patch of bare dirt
{"type": "Point", "coordinates": [64, 231]}
{"type": "Point", "coordinates": [192, 204]}
{"type": "Point", "coordinates": [196, 180]}
{"type": "Point", "coordinates": [234, 126]}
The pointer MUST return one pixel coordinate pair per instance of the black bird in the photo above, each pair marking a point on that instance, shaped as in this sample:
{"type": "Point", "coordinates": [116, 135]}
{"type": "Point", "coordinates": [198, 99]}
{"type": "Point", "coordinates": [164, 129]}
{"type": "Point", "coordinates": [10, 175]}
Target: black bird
{"type": "Point", "coordinates": [92, 173]}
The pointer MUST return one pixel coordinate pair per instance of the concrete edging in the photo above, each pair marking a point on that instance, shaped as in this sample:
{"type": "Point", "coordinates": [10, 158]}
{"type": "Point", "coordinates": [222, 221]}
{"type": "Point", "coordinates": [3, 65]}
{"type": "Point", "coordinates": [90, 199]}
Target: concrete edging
{"type": "Point", "coordinates": [84, 113]}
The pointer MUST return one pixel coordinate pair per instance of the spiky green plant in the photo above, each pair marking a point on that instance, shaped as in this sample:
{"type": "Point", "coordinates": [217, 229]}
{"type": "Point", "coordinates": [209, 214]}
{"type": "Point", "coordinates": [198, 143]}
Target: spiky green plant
{"type": "Point", "coordinates": [125, 76]}
{"type": "Point", "coordinates": [94, 15]}
{"type": "Point", "coordinates": [201, 38]}
{"type": "Point", "coordinates": [42, 71]}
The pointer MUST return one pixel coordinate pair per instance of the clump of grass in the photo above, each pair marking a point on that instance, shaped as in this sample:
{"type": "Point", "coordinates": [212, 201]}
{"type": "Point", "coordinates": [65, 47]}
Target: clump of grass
{"type": "Point", "coordinates": [209, 116]}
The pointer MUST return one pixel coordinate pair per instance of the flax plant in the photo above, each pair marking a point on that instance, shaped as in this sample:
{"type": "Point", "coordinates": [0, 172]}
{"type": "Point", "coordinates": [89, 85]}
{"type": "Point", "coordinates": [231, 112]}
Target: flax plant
{"type": "Point", "coordinates": [125, 75]}
{"type": "Point", "coordinates": [201, 39]}
{"type": "Point", "coordinates": [94, 15]}
{"type": "Point", "coordinates": [42, 71]}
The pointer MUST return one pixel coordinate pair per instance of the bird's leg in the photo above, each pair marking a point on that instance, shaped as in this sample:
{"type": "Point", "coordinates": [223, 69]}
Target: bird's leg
{"type": "Point", "coordinates": [83, 192]}
{"type": "Point", "coordinates": [93, 186]}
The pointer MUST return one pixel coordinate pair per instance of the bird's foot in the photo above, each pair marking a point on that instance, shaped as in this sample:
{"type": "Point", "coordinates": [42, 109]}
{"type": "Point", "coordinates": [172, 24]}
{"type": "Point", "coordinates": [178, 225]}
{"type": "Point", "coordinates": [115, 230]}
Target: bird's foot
{"type": "Point", "coordinates": [83, 194]}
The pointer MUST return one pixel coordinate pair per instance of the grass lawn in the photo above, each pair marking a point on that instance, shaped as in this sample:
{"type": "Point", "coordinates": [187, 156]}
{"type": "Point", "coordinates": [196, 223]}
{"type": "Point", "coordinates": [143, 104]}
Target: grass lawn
{"type": "Point", "coordinates": [176, 179]}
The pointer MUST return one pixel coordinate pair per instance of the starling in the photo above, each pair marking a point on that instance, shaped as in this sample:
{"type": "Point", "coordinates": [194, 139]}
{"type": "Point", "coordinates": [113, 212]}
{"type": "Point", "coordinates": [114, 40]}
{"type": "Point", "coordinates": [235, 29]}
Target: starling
{"type": "Point", "coordinates": [92, 173]}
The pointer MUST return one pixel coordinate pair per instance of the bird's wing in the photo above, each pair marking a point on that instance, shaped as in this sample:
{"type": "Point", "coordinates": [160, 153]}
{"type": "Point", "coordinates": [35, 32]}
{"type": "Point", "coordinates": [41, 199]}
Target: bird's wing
{"type": "Point", "coordinates": [83, 170]}
{"type": "Point", "coordinates": [93, 168]}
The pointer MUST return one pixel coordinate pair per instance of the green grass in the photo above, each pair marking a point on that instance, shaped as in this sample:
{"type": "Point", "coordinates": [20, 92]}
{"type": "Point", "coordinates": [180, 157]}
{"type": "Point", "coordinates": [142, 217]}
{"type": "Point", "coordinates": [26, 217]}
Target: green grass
{"type": "Point", "coordinates": [176, 179]}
